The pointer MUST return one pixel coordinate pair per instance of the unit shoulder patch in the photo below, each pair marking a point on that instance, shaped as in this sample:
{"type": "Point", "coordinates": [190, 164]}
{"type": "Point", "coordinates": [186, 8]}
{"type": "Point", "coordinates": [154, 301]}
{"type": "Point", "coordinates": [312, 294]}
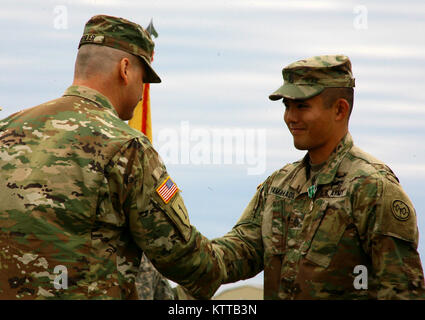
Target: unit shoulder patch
{"type": "Point", "coordinates": [400, 210]}
{"type": "Point", "coordinates": [180, 209]}
{"type": "Point", "coordinates": [172, 204]}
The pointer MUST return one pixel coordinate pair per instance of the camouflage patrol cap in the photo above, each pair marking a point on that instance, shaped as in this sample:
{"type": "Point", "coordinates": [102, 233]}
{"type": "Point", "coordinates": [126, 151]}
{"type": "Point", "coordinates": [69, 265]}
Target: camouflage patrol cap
{"type": "Point", "coordinates": [124, 35]}
{"type": "Point", "coordinates": [306, 78]}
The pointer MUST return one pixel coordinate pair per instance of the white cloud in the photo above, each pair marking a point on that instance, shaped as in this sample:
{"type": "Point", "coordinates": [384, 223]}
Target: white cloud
{"type": "Point", "coordinates": [380, 50]}
{"type": "Point", "coordinates": [209, 80]}
{"type": "Point", "coordinates": [288, 5]}
{"type": "Point", "coordinates": [9, 61]}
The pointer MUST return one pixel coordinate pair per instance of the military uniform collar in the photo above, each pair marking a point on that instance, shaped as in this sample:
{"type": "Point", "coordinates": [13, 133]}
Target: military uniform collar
{"type": "Point", "coordinates": [92, 95]}
{"type": "Point", "coordinates": [327, 172]}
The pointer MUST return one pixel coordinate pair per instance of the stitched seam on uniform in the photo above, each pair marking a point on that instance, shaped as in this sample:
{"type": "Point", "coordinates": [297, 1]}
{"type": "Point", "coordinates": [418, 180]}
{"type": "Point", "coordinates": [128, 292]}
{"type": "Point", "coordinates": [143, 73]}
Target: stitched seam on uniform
{"type": "Point", "coordinates": [247, 222]}
{"type": "Point", "coordinates": [86, 98]}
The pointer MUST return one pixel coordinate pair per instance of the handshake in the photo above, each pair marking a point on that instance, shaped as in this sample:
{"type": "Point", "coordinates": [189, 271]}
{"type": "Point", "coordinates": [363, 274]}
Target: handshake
{"type": "Point", "coordinates": [82, 190]}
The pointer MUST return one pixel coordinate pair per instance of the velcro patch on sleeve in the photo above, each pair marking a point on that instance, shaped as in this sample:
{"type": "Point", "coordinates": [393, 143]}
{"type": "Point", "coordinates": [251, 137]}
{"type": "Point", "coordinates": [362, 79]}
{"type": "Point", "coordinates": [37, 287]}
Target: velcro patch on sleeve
{"type": "Point", "coordinates": [167, 189]}
{"type": "Point", "coordinates": [173, 206]}
{"type": "Point", "coordinates": [180, 209]}
{"type": "Point", "coordinates": [398, 217]}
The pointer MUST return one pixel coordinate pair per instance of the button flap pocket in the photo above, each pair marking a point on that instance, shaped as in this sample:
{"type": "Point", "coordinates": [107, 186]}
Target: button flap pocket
{"type": "Point", "coordinates": [311, 222]}
{"type": "Point", "coordinates": [325, 241]}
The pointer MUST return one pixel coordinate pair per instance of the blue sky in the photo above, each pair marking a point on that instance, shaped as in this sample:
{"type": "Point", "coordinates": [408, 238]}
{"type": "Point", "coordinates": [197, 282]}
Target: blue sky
{"type": "Point", "coordinates": [219, 61]}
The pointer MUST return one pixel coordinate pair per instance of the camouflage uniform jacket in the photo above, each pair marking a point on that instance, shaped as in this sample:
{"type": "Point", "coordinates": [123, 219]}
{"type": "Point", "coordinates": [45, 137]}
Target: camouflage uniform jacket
{"type": "Point", "coordinates": [80, 189]}
{"type": "Point", "coordinates": [310, 242]}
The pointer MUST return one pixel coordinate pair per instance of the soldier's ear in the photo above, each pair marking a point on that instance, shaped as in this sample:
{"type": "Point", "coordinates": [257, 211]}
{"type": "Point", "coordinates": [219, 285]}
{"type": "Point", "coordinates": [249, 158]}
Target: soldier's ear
{"type": "Point", "coordinates": [342, 109]}
{"type": "Point", "coordinates": [123, 70]}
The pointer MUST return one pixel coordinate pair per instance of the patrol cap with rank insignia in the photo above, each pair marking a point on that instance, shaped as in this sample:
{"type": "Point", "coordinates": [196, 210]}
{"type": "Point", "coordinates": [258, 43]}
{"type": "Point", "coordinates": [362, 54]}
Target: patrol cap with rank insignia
{"type": "Point", "coordinates": [306, 78]}
{"type": "Point", "coordinates": [124, 35]}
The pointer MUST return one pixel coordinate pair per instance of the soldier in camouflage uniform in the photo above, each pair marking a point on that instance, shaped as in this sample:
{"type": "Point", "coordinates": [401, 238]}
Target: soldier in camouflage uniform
{"type": "Point", "coordinates": [311, 223]}
{"type": "Point", "coordinates": [150, 284]}
{"type": "Point", "coordinates": [82, 191]}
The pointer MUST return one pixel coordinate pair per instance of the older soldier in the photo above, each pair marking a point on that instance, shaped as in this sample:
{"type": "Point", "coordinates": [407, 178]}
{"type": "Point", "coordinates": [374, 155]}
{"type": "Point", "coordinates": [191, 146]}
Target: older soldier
{"type": "Point", "coordinates": [82, 195]}
{"type": "Point", "coordinates": [336, 224]}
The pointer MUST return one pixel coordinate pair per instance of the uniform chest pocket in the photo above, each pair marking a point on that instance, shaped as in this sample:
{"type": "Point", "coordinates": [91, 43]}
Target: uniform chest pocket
{"type": "Point", "coordinates": [279, 226]}
{"type": "Point", "coordinates": [322, 241]}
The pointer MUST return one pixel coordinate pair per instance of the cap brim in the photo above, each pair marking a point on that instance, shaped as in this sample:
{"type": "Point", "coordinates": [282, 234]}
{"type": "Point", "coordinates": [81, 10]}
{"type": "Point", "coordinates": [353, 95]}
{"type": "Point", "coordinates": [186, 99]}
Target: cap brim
{"type": "Point", "coordinates": [292, 91]}
{"type": "Point", "coordinates": [150, 76]}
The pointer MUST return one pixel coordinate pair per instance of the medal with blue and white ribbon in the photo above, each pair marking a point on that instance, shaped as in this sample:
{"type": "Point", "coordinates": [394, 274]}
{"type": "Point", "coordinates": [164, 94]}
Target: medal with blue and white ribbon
{"type": "Point", "coordinates": [312, 191]}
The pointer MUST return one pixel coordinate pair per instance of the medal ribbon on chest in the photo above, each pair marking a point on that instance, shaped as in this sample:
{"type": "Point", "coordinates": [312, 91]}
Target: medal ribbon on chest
{"type": "Point", "coordinates": [312, 191]}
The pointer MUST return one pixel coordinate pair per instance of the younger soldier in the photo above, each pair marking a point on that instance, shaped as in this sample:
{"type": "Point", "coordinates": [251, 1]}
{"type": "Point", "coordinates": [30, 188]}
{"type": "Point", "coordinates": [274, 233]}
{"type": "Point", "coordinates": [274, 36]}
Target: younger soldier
{"type": "Point", "coordinates": [338, 213]}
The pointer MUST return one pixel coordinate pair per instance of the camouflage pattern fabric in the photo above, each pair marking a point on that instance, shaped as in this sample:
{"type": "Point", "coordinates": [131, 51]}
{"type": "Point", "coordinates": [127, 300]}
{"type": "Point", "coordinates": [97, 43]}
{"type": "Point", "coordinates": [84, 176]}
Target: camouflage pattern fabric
{"type": "Point", "coordinates": [310, 239]}
{"type": "Point", "coordinates": [121, 34]}
{"type": "Point", "coordinates": [306, 78]}
{"type": "Point", "coordinates": [150, 284]}
{"type": "Point", "coordinates": [80, 189]}
{"type": "Point", "coordinates": [180, 293]}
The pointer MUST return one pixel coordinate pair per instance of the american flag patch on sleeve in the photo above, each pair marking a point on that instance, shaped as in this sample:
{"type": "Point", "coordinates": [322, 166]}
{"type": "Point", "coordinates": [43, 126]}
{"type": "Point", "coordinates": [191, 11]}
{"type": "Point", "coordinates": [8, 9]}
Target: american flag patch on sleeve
{"type": "Point", "coordinates": [167, 190]}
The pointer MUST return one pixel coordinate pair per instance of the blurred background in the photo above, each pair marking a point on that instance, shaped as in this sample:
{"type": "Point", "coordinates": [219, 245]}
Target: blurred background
{"type": "Point", "coordinates": [219, 60]}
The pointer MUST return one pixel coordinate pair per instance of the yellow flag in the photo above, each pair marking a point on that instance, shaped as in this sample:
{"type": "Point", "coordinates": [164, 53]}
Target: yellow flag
{"type": "Point", "coordinates": [142, 114]}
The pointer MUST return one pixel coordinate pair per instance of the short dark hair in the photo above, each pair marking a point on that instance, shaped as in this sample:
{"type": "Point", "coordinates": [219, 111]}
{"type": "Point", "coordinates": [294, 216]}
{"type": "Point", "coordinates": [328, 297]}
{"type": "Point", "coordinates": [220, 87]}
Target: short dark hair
{"type": "Point", "coordinates": [330, 95]}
